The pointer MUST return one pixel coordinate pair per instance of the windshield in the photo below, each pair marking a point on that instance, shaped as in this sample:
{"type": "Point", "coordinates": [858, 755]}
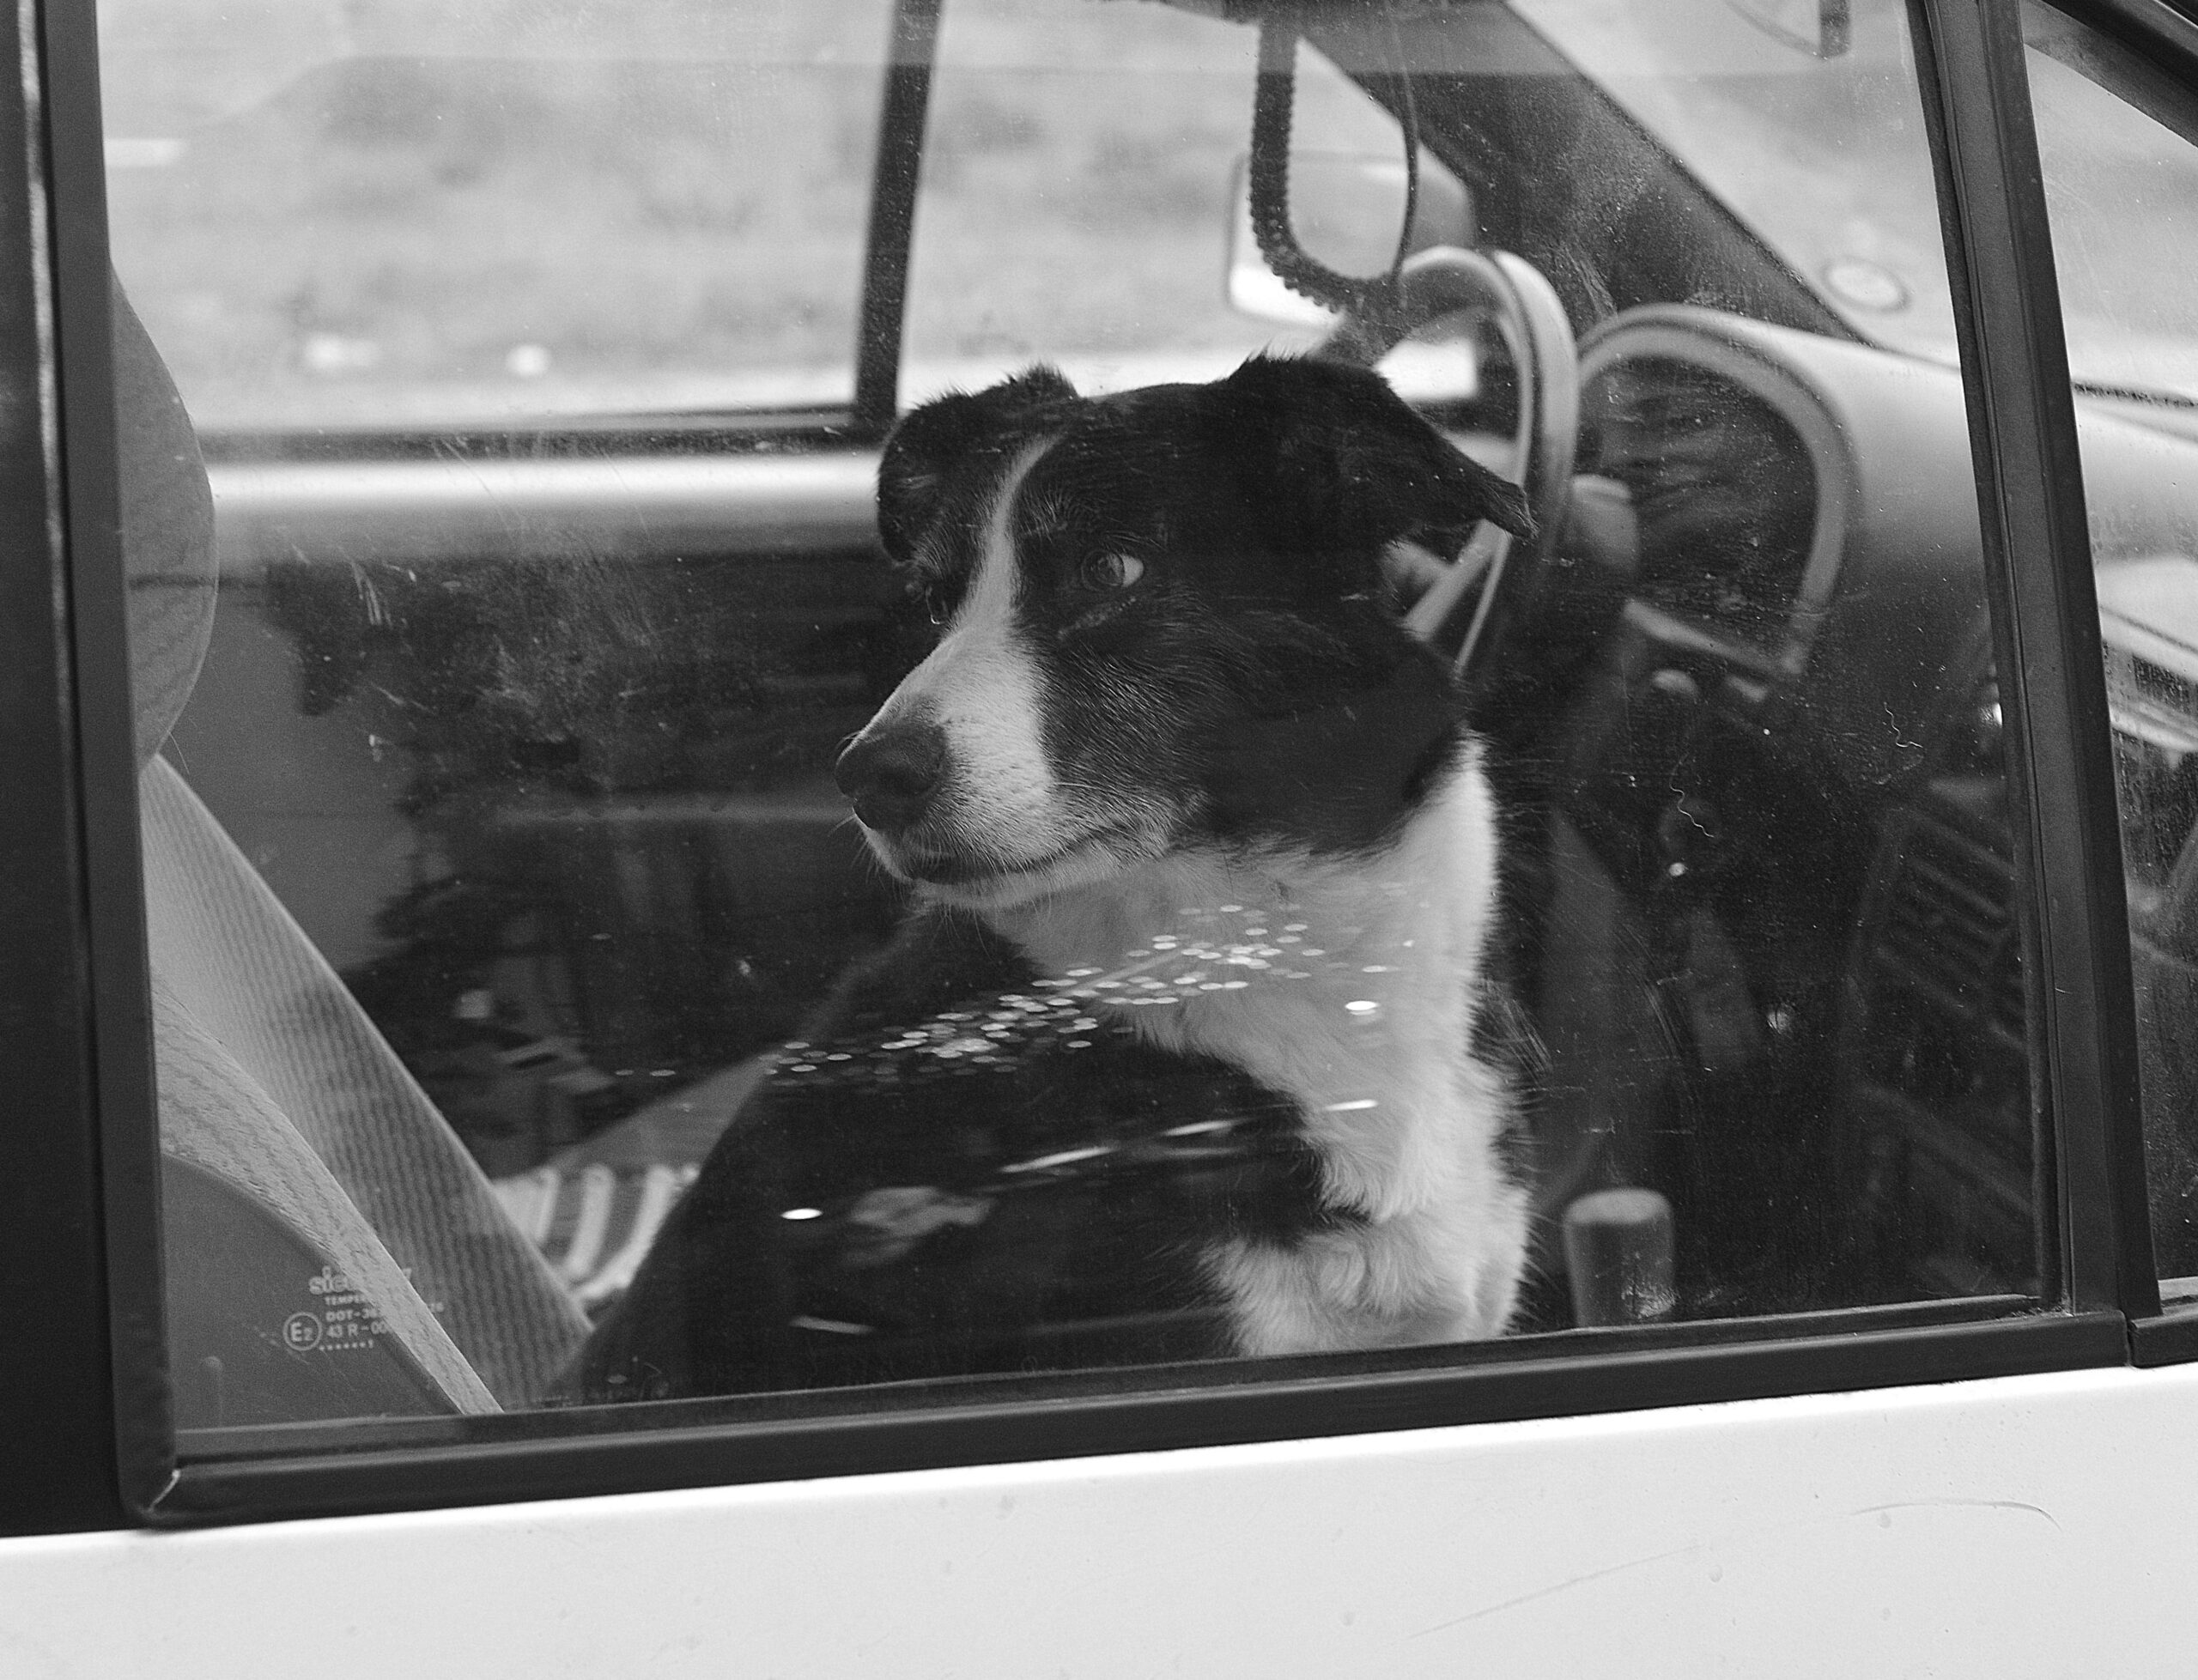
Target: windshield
{"type": "Point", "coordinates": [1820, 158]}
{"type": "Point", "coordinates": [500, 213]}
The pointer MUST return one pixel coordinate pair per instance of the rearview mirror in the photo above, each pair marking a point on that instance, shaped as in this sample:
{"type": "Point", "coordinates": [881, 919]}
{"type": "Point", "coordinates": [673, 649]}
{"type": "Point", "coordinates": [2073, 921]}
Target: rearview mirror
{"type": "Point", "coordinates": [1821, 28]}
{"type": "Point", "coordinates": [1345, 210]}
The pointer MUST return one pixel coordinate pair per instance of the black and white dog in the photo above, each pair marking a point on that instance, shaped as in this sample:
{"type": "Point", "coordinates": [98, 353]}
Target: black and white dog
{"type": "Point", "coordinates": [1191, 1044]}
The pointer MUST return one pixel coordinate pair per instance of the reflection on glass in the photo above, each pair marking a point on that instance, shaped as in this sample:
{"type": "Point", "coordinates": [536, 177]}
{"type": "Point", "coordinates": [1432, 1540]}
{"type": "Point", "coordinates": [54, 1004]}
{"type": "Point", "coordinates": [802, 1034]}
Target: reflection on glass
{"type": "Point", "coordinates": [1172, 862]}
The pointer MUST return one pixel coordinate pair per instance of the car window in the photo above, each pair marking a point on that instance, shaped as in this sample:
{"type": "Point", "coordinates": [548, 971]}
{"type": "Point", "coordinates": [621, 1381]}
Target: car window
{"type": "Point", "coordinates": [385, 214]}
{"type": "Point", "coordinates": [1178, 858]}
{"type": "Point", "coordinates": [2119, 142]}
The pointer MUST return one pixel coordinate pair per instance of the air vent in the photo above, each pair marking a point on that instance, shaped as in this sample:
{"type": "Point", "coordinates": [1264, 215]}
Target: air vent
{"type": "Point", "coordinates": [1950, 927]}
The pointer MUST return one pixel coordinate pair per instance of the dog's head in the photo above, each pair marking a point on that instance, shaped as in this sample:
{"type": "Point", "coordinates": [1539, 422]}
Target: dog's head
{"type": "Point", "coordinates": [1163, 622]}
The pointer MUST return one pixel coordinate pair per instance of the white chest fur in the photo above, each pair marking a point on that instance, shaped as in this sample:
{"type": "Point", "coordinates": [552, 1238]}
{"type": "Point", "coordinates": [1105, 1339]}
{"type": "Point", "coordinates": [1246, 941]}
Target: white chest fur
{"type": "Point", "coordinates": [1351, 986]}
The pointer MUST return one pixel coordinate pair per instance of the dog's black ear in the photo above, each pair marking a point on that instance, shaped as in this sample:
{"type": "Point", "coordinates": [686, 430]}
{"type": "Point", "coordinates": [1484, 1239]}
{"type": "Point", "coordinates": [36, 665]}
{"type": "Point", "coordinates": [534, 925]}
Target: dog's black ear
{"type": "Point", "coordinates": [1344, 466]}
{"type": "Point", "coordinates": [930, 442]}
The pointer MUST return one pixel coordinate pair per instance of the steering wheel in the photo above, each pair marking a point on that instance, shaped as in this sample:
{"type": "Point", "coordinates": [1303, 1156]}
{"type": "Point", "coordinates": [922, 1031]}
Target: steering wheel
{"type": "Point", "coordinates": [1447, 280]}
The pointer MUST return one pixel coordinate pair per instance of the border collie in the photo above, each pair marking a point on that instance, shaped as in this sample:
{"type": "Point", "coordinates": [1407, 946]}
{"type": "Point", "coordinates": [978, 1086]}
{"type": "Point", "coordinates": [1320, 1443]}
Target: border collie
{"type": "Point", "coordinates": [1191, 1045]}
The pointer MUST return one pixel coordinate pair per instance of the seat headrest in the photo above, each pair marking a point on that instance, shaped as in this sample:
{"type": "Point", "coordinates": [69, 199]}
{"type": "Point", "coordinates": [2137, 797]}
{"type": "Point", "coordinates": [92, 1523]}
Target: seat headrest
{"type": "Point", "coordinates": [168, 532]}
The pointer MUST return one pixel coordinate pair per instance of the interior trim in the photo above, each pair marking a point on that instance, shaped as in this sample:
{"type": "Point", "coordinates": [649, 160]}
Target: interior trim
{"type": "Point", "coordinates": [605, 507]}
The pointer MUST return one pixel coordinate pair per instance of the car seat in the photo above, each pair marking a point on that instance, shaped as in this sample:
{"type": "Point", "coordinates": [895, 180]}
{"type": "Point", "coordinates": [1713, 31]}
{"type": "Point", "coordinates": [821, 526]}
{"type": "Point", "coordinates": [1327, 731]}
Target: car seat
{"type": "Point", "coordinates": [331, 1250]}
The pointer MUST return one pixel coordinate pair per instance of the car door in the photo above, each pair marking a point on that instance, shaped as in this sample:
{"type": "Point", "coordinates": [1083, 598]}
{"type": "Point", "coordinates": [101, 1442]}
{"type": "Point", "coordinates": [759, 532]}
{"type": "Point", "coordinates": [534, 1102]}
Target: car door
{"type": "Point", "coordinates": [426, 839]}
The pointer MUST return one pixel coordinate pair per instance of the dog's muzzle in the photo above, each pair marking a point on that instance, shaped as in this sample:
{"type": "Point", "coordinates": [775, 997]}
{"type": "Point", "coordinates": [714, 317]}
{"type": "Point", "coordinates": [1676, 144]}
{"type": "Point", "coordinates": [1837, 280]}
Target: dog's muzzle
{"type": "Point", "coordinates": [890, 774]}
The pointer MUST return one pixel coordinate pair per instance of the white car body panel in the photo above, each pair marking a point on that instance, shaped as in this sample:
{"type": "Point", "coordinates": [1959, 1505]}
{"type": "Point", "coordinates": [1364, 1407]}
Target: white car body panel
{"type": "Point", "coordinates": [2029, 1526]}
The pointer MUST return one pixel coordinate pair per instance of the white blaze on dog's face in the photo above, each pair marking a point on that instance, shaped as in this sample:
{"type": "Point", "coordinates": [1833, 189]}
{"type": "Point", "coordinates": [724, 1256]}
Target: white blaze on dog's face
{"type": "Point", "coordinates": [1162, 626]}
{"type": "Point", "coordinates": [997, 828]}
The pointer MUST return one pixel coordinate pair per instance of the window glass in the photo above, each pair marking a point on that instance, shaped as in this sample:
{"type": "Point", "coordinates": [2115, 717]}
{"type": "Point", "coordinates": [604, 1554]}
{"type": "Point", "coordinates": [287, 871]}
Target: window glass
{"type": "Point", "coordinates": [1828, 169]}
{"type": "Point", "coordinates": [1175, 858]}
{"type": "Point", "coordinates": [2119, 141]}
{"type": "Point", "coordinates": [382, 212]}
{"type": "Point", "coordinates": [1060, 219]}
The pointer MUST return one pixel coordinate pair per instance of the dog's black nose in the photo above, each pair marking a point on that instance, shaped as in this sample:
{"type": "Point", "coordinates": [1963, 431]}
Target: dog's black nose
{"type": "Point", "coordinates": [890, 774]}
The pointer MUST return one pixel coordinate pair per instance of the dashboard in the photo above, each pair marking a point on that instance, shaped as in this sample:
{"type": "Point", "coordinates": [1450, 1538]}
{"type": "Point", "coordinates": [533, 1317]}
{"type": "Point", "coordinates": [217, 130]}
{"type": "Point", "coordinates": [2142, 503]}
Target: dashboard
{"type": "Point", "coordinates": [1788, 769]}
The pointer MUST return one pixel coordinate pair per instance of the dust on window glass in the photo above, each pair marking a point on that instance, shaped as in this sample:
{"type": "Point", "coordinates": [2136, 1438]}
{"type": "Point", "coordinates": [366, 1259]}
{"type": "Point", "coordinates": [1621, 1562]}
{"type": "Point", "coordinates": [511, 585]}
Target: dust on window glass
{"type": "Point", "coordinates": [2119, 142]}
{"type": "Point", "coordinates": [1251, 868]}
{"type": "Point", "coordinates": [1824, 156]}
{"type": "Point", "coordinates": [391, 213]}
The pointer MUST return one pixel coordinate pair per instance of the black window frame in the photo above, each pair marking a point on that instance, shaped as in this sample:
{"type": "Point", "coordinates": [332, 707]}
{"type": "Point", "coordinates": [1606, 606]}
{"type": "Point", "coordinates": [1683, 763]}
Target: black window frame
{"type": "Point", "coordinates": [86, 1418]}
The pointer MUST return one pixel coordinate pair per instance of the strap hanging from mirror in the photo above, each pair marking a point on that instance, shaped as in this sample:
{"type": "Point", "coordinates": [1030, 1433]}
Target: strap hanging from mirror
{"type": "Point", "coordinates": [1273, 100]}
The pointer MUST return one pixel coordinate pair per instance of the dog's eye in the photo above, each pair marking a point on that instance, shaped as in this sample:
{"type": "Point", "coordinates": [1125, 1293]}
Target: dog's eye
{"type": "Point", "coordinates": [934, 606]}
{"type": "Point", "coordinates": [1113, 571]}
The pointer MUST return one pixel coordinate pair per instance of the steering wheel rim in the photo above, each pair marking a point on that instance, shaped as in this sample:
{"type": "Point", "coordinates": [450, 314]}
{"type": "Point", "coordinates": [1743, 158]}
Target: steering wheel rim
{"type": "Point", "coordinates": [1447, 280]}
